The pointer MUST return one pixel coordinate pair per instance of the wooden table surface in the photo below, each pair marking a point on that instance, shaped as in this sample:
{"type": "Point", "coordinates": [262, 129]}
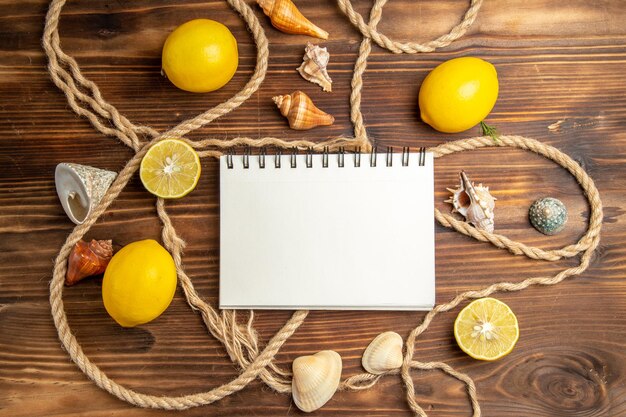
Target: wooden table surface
{"type": "Point", "coordinates": [561, 67]}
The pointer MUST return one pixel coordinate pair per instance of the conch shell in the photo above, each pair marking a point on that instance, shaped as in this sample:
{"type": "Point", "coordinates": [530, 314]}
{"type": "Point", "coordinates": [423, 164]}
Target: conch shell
{"type": "Point", "coordinates": [383, 354]}
{"type": "Point", "coordinates": [286, 17]}
{"type": "Point", "coordinates": [315, 379]}
{"type": "Point", "coordinates": [474, 202]}
{"type": "Point", "coordinates": [314, 65]}
{"type": "Point", "coordinates": [87, 259]}
{"type": "Point", "coordinates": [302, 114]}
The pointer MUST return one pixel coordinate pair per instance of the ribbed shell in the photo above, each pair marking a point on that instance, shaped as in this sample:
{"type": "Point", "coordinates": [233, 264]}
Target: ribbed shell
{"type": "Point", "coordinates": [383, 354]}
{"type": "Point", "coordinates": [315, 379]}
{"type": "Point", "coordinates": [300, 111]}
{"type": "Point", "coordinates": [286, 17]}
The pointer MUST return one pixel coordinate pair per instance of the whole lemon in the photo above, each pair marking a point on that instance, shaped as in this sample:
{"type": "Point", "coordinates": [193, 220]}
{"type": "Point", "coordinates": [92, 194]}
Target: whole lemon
{"type": "Point", "coordinates": [458, 94]}
{"type": "Point", "coordinates": [139, 283]}
{"type": "Point", "coordinates": [200, 56]}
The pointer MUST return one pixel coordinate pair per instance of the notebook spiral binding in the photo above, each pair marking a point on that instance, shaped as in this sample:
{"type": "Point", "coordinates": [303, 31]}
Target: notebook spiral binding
{"type": "Point", "coordinates": [341, 158]}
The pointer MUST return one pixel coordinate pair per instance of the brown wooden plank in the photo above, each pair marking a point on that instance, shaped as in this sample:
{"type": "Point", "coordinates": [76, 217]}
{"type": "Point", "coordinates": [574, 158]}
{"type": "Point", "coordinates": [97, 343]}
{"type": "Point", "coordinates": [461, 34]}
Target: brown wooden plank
{"type": "Point", "coordinates": [561, 67]}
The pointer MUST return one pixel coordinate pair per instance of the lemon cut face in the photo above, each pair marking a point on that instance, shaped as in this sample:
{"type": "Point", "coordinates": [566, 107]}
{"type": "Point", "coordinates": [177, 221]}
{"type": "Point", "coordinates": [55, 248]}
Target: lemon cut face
{"type": "Point", "coordinates": [486, 329]}
{"type": "Point", "coordinates": [170, 169]}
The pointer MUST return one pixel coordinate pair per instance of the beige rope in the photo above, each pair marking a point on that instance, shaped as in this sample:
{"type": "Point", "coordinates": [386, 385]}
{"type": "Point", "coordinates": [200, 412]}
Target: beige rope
{"type": "Point", "coordinates": [67, 82]}
{"type": "Point", "coordinates": [241, 343]}
{"type": "Point", "coordinates": [241, 340]}
{"type": "Point", "coordinates": [383, 41]}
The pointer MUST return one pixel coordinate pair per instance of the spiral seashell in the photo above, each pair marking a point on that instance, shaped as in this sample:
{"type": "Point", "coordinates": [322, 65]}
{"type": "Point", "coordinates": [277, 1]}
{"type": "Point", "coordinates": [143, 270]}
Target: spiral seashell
{"type": "Point", "coordinates": [87, 259]}
{"type": "Point", "coordinates": [383, 354]}
{"type": "Point", "coordinates": [286, 17]}
{"type": "Point", "coordinates": [315, 379]}
{"type": "Point", "coordinates": [302, 114]}
{"type": "Point", "coordinates": [314, 65]}
{"type": "Point", "coordinates": [474, 202]}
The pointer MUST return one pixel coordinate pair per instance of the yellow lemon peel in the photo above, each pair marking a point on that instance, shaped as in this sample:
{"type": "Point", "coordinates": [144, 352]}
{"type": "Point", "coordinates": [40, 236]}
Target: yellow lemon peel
{"type": "Point", "coordinates": [200, 56]}
{"type": "Point", "coordinates": [458, 94]}
{"type": "Point", "coordinates": [139, 283]}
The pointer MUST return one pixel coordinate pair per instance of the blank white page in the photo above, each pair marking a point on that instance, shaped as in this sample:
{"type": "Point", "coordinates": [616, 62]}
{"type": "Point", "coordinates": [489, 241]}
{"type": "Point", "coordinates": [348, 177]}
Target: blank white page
{"type": "Point", "coordinates": [327, 238]}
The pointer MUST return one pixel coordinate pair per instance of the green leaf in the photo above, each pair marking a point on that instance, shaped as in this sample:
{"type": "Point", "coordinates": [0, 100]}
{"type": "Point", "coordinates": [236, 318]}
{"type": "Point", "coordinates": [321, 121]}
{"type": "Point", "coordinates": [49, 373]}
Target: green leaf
{"type": "Point", "coordinates": [490, 131]}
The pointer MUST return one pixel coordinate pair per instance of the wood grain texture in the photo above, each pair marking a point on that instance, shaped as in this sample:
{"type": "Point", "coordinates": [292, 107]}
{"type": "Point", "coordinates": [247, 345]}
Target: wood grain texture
{"type": "Point", "coordinates": [560, 65]}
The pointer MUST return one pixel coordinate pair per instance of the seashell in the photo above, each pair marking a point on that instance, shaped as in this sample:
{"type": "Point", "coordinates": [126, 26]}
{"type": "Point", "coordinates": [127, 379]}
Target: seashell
{"type": "Point", "coordinates": [383, 354]}
{"type": "Point", "coordinates": [548, 215]}
{"type": "Point", "coordinates": [87, 259]}
{"type": "Point", "coordinates": [80, 188]}
{"type": "Point", "coordinates": [302, 114]}
{"type": "Point", "coordinates": [315, 379]}
{"type": "Point", "coordinates": [314, 65]}
{"type": "Point", "coordinates": [474, 202]}
{"type": "Point", "coordinates": [286, 17]}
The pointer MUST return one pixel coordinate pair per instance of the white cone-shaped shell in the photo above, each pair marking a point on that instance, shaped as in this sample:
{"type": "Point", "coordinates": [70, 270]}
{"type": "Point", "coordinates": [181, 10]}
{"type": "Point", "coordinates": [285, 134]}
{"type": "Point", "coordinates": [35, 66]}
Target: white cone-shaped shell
{"type": "Point", "coordinates": [383, 354]}
{"type": "Point", "coordinates": [80, 188]}
{"type": "Point", "coordinates": [315, 379]}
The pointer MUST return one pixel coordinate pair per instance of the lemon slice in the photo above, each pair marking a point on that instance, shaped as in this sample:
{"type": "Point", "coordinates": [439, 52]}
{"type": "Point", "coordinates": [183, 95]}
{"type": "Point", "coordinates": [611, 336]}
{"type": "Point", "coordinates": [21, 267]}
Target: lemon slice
{"type": "Point", "coordinates": [486, 329]}
{"type": "Point", "coordinates": [170, 169]}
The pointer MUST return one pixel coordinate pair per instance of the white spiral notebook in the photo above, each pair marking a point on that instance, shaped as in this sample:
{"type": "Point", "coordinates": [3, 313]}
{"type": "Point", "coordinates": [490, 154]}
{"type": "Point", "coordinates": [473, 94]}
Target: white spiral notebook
{"type": "Point", "coordinates": [319, 231]}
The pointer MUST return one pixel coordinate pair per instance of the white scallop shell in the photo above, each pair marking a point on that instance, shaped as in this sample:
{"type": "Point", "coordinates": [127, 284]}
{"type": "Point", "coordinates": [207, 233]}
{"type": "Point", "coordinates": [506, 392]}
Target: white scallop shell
{"type": "Point", "coordinates": [315, 379]}
{"type": "Point", "coordinates": [383, 354]}
{"type": "Point", "coordinates": [474, 202]}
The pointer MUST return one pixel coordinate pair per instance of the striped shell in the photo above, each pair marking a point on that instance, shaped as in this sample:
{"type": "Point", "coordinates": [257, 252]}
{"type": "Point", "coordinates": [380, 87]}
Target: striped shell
{"type": "Point", "coordinates": [300, 111]}
{"type": "Point", "coordinates": [286, 17]}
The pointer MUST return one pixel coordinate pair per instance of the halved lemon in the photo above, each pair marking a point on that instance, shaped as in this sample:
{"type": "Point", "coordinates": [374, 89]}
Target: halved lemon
{"type": "Point", "coordinates": [170, 169]}
{"type": "Point", "coordinates": [486, 329]}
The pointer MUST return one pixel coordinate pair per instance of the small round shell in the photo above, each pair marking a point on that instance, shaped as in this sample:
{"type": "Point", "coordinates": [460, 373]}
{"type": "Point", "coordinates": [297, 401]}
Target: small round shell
{"type": "Point", "coordinates": [315, 379]}
{"type": "Point", "coordinates": [383, 354]}
{"type": "Point", "coordinates": [548, 215]}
